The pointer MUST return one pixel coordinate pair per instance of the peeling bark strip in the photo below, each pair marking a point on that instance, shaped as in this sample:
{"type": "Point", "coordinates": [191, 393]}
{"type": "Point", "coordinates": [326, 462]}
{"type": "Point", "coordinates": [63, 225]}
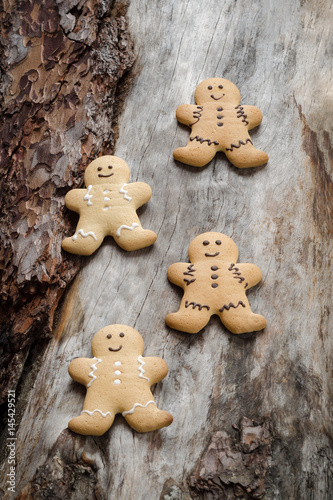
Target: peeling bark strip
{"type": "Point", "coordinates": [63, 63]}
{"type": "Point", "coordinates": [235, 468]}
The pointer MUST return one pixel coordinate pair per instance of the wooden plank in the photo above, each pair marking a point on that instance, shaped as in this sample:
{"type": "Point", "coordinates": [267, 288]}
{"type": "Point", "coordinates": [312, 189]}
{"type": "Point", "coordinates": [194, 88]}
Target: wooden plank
{"type": "Point", "coordinates": [279, 215]}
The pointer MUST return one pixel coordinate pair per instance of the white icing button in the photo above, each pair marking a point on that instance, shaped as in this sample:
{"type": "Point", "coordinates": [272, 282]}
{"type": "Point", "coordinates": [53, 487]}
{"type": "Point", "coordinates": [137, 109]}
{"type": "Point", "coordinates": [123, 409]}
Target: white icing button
{"type": "Point", "coordinates": [117, 381]}
{"type": "Point", "coordinates": [117, 363]}
{"type": "Point", "coordinates": [117, 372]}
{"type": "Point", "coordinates": [106, 191]}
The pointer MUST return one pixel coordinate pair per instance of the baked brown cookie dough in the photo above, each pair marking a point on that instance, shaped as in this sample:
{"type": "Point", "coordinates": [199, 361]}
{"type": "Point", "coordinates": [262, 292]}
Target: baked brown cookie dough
{"type": "Point", "coordinates": [214, 284]}
{"type": "Point", "coordinates": [108, 207]}
{"type": "Point", "coordinates": [118, 380]}
{"type": "Point", "coordinates": [219, 123]}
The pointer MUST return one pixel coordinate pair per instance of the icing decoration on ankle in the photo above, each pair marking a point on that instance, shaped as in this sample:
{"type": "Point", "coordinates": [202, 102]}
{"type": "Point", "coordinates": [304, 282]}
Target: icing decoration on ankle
{"type": "Point", "coordinates": [141, 369]}
{"type": "Point", "coordinates": [129, 412]}
{"type": "Point", "coordinates": [84, 235]}
{"type": "Point", "coordinates": [87, 197]}
{"type": "Point", "coordinates": [94, 368]}
{"type": "Point", "coordinates": [133, 226]}
{"type": "Point", "coordinates": [90, 413]}
{"type": "Point", "coordinates": [124, 192]}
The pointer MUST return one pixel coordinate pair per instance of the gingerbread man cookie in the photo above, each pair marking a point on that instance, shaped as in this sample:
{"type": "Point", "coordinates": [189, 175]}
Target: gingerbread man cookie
{"type": "Point", "coordinates": [214, 284]}
{"type": "Point", "coordinates": [118, 380]}
{"type": "Point", "coordinates": [219, 123]}
{"type": "Point", "coordinates": [108, 207]}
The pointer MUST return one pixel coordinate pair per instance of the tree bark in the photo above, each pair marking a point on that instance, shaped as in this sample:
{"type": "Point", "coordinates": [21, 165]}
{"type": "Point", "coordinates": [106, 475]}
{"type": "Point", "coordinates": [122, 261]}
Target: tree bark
{"type": "Point", "coordinates": [252, 413]}
{"type": "Point", "coordinates": [63, 65]}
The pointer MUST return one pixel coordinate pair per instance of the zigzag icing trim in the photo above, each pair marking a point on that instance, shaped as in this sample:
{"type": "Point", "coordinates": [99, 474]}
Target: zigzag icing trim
{"type": "Point", "coordinates": [133, 226]}
{"type": "Point", "coordinates": [124, 192]}
{"type": "Point", "coordinates": [84, 235]}
{"type": "Point", "coordinates": [141, 369]}
{"type": "Point", "coordinates": [87, 197]}
{"type": "Point", "coordinates": [90, 413]}
{"type": "Point", "coordinates": [94, 368]}
{"type": "Point", "coordinates": [129, 412]}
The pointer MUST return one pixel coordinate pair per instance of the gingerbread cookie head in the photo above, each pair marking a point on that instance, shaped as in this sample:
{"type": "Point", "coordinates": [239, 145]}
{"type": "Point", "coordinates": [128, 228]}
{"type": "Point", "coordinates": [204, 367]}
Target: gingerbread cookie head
{"type": "Point", "coordinates": [107, 169]}
{"type": "Point", "coordinates": [217, 90]}
{"type": "Point", "coordinates": [117, 341]}
{"type": "Point", "coordinates": [216, 246]}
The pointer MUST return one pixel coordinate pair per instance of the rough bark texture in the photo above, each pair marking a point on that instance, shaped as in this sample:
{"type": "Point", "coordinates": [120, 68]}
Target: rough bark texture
{"type": "Point", "coordinates": [252, 413]}
{"type": "Point", "coordinates": [62, 63]}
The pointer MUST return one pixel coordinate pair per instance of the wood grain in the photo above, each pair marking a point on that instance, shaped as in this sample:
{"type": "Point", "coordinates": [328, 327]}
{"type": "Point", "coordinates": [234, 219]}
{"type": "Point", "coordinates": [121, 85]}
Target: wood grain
{"type": "Point", "coordinates": [280, 216]}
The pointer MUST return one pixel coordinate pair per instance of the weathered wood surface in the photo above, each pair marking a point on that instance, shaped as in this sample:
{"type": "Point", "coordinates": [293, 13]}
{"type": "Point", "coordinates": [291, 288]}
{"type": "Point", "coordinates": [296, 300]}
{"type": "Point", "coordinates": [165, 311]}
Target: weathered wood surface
{"type": "Point", "coordinates": [280, 216]}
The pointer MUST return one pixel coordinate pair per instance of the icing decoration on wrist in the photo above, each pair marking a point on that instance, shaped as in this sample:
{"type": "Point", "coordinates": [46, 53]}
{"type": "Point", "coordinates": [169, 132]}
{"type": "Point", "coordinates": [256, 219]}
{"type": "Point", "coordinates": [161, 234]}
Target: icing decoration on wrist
{"type": "Point", "coordinates": [94, 368]}
{"type": "Point", "coordinates": [88, 196]}
{"type": "Point", "coordinates": [124, 192]}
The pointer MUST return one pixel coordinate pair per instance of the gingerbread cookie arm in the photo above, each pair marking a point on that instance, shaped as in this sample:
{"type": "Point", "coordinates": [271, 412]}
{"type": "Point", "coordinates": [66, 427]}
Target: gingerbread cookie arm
{"type": "Point", "coordinates": [181, 274]}
{"type": "Point", "coordinates": [188, 114]}
{"type": "Point", "coordinates": [139, 192]}
{"type": "Point", "coordinates": [74, 199]}
{"type": "Point", "coordinates": [251, 273]}
{"type": "Point", "coordinates": [80, 368]}
{"type": "Point", "coordinates": [253, 116]}
{"type": "Point", "coordinates": [156, 369]}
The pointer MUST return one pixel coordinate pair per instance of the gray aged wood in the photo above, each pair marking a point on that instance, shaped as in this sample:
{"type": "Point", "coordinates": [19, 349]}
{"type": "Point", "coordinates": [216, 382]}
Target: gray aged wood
{"type": "Point", "coordinates": [279, 55]}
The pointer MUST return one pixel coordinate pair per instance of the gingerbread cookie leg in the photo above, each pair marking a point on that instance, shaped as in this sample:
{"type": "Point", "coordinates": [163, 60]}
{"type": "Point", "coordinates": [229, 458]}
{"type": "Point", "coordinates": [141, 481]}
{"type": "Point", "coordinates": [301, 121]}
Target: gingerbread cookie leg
{"type": "Point", "coordinates": [238, 317]}
{"type": "Point", "coordinates": [85, 240]}
{"type": "Point", "coordinates": [197, 153]}
{"type": "Point", "coordinates": [91, 422]}
{"type": "Point", "coordinates": [147, 417]}
{"type": "Point", "coordinates": [133, 237]}
{"type": "Point", "coordinates": [190, 318]}
{"type": "Point", "coordinates": [242, 154]}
